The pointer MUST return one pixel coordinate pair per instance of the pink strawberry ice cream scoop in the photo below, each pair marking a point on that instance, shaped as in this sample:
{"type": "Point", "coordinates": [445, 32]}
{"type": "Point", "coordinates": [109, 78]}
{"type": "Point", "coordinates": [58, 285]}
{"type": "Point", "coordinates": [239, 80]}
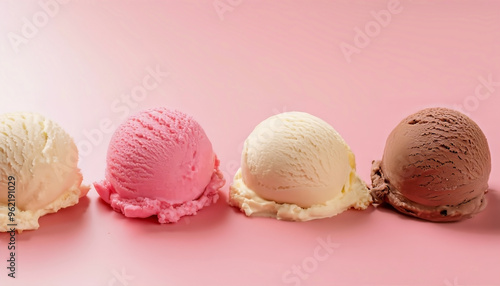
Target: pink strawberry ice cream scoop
{"type": "Point", "coordinates": [160, 162]}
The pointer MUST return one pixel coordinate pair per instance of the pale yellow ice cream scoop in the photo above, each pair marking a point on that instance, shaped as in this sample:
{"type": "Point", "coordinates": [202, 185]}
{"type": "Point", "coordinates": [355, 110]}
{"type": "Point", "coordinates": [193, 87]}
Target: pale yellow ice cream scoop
{"type": "Point", "coordinates": [38, 170]}
{"type": "Point", "coordinates": [295, 166]}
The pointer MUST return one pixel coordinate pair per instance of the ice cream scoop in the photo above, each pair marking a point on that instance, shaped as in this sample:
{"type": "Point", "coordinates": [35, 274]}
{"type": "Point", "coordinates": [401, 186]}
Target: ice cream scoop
{"type": "Point", "coordinates": [160, 162]}
{"type": "Point", "coordinates": [435, 166]}
{"type": "Point", "coordinates": [38, 170]}
{"type": "Point", "coordinates": [295, 166]}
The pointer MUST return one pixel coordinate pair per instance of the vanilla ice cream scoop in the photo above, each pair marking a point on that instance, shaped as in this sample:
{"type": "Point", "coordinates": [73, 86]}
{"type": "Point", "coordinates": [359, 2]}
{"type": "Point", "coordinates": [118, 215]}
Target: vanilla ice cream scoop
{"type": "Point", "coordinates": [38, 164]}
{"type": "Point", "coordinates": [295, 166]}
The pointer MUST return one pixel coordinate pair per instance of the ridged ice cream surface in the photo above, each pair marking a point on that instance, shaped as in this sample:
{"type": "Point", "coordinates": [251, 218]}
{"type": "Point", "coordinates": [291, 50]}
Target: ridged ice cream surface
{"type": "Point", "coordinates": [160, 162]}
{"type": "Point", "coordinates": [135, 153]}
{"type": "Point", "coordinates": [437, 161]}
{"type": "Point", "coordinates": [42, 160]}
{"type": "Point", "coordinates": [295, 166]}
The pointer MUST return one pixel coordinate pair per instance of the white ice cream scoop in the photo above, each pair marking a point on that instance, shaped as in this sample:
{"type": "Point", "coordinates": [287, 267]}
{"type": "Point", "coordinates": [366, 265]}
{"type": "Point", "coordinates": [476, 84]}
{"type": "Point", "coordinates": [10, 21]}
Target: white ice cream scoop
{"type": "Point", "coordinates": [38, 170]}
{"type": "Point", "coordinates": [295, 166]}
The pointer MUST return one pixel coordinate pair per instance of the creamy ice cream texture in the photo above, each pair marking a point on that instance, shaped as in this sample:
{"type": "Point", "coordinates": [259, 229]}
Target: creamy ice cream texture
{"type": "Point", "coordinates": [160, 162]}
{"type": "Point", "coordinates": [38, 161]}
{"type": "Point", "coordinates": [435, 166]}
{"type": "Point", "coordinates": [295, 166]}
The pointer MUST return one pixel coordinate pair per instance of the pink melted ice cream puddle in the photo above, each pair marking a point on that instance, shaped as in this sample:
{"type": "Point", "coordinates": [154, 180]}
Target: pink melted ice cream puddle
{"type": "Point", "coordinates": [160, 162]}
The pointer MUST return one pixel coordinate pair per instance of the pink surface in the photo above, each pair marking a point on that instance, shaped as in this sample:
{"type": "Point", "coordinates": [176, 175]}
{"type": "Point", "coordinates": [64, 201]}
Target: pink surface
{"type": "Point", "coordinates": [86, 66]}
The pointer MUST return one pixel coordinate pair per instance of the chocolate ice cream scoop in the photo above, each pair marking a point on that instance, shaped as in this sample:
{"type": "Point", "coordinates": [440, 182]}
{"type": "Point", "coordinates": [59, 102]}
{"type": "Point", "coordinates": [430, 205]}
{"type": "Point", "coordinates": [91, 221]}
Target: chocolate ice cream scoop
{"type": "Point", "coordinates": [436, 166]}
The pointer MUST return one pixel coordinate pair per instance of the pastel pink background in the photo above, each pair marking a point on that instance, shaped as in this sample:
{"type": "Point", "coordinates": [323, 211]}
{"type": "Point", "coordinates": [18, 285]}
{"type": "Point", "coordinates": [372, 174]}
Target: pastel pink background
{"type": "Point", "coordinates": [230, 72]}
